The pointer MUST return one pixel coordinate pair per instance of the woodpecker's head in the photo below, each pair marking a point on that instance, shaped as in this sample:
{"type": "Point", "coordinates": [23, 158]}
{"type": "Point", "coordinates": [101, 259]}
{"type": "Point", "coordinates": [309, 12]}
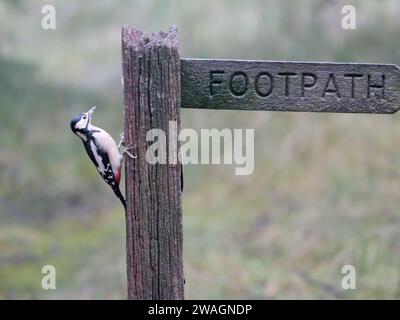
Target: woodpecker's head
{"type": "Point", "coordinates": [82, 121]}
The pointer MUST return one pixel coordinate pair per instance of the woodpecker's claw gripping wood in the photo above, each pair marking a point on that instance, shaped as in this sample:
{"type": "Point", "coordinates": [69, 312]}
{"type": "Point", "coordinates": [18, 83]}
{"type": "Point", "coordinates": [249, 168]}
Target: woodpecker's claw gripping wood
{"type": "Point", "coordinates": [152, 97]}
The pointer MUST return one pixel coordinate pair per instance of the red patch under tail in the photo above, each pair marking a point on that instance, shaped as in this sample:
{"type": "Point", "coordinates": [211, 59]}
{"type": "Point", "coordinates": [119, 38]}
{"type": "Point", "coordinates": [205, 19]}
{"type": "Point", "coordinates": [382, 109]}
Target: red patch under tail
{"type": "Point", "coordinates": [117, 176]}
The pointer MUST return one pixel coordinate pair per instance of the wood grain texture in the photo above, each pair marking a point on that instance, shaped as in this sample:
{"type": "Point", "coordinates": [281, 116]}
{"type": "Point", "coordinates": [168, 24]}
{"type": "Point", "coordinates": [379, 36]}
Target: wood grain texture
{"type": "Point", "coordinates": [290, 86]}
{"type": "Point", "coordinates": [152, 93]}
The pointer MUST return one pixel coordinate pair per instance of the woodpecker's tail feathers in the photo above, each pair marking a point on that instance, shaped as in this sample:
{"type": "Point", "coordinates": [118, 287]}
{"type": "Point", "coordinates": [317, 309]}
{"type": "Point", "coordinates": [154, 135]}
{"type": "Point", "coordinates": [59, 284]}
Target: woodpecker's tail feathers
{"type": "Point", "coordinates": [119, 196]}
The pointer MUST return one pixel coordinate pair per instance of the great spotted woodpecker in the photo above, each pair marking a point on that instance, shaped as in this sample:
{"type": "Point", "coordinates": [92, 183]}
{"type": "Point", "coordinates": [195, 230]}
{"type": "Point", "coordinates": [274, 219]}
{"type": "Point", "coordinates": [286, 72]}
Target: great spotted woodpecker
{"type": "Point", "coordinates": [102, 150]}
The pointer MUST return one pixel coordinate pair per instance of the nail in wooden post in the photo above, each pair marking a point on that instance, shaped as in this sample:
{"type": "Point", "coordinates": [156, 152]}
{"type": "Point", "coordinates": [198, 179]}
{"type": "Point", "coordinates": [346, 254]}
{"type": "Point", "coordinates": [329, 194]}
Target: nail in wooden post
{"type": "Point", "coordinates": [152, 97]}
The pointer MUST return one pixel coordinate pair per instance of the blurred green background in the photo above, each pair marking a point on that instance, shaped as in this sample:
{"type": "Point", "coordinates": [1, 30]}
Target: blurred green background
{"type": "Point", "coordinates": [325, 191]}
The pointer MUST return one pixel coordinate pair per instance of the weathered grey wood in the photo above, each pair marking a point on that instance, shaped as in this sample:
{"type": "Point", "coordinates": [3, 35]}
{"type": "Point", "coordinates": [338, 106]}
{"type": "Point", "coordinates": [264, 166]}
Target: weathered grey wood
{"type": "Point", "coordinates": [290, 86]}
{"type": "Point", "coordinates": [152, 93]}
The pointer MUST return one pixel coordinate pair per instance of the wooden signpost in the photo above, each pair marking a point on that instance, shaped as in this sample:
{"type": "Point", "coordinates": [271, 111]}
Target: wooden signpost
{"type": "Point", "coordinates": [157, 83]}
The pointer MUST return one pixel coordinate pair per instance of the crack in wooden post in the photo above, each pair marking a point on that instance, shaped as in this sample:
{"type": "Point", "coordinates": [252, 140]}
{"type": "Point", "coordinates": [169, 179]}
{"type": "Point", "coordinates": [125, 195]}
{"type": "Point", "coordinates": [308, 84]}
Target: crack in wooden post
{"type": "Point", "coordinates": [152, 98]}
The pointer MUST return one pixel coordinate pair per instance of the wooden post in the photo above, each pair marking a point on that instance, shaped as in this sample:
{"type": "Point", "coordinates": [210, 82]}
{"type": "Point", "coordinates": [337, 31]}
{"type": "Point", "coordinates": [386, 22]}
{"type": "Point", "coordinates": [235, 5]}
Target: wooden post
{"type": "Point", "coordinates": [152, 97]}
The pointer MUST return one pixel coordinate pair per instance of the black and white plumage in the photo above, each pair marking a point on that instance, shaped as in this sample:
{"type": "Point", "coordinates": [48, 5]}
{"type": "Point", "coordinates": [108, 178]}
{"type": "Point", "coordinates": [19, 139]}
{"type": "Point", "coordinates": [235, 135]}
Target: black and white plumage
{"type": "Point", "coordinates": [102, 150]}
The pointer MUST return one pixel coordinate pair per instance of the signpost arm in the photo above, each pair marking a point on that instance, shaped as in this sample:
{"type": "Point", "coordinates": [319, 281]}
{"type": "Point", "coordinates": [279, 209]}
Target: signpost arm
{"type": "Point", "coordinates": [152, 94]}
{"type": "Point", "coordinates": [290, 86]}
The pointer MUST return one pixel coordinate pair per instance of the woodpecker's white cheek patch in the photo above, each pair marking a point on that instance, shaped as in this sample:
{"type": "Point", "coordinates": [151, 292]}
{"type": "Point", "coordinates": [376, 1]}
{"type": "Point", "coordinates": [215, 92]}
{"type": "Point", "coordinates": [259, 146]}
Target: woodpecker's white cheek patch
{"type": "Point", "coordinates": [81, 123]}
{"type": "Point", "coordinates": [99, 161]}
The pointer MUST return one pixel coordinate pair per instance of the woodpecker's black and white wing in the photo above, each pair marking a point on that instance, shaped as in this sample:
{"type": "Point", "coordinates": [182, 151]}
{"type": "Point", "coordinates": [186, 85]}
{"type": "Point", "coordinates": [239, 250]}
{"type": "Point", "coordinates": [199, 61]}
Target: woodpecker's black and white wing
{"type": "Point", "coordinates": [101, 160]}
